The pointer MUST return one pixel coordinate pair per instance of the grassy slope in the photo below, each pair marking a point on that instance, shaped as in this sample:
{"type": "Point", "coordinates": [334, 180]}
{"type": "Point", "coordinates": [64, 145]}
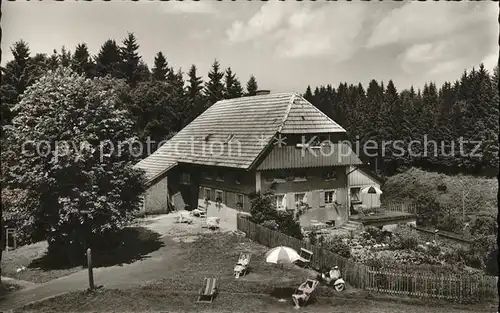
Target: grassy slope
{"type": "Point", "coordinates": [422, 186]}
{"type": "Point", "coordinates": [214, 255]}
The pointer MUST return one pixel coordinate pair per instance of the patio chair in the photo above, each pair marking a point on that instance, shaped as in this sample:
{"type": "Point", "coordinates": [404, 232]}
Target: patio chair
{"type": "Point", "coordinates": [208, 292]}
{"type": "Point", "coordinates": [199, 213]}
{"type": "Point", "coordinates": [305, 257]}
{"type": "Point", "coordinates": [304, 292]}
{"type": "Point", "coordinates": [241, 268]}
{"type": "Point", "coordinates": [183, 218]}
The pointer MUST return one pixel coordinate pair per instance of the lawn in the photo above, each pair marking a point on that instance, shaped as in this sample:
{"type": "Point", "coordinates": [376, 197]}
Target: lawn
{"type": "Point", "coordinates": [27, 256]}
{"type": "Point", "coordinates": [214, 255]}
{"type": "Point", "coordinates": [128, 246]}
{"type": "Point", "coordinates": [7, 287]}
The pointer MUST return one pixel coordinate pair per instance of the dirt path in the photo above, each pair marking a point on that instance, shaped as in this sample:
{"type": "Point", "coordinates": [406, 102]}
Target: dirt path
{"type": "Point", "coordinates": [154, 266]}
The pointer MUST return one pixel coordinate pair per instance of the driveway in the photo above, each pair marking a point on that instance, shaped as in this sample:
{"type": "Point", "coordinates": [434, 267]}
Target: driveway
{"type": "Point", "coordinates": [155, 266]}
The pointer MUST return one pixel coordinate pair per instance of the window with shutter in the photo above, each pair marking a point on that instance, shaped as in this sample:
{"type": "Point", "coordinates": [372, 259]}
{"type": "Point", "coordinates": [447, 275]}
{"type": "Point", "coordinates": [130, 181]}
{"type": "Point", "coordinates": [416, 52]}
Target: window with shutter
{"type": "Point", "coordinates": [322, 198]}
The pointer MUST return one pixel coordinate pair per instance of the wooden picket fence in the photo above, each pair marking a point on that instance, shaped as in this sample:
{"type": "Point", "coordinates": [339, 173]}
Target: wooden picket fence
{"type": "Point", "coordinates": [402, 207]}
{"type": "Point", "coordinates": [400, 281]}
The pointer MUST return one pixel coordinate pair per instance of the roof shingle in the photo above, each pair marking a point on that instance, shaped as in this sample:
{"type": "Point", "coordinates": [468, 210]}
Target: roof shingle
{"type": "Point", "coordinates": [252, 120]}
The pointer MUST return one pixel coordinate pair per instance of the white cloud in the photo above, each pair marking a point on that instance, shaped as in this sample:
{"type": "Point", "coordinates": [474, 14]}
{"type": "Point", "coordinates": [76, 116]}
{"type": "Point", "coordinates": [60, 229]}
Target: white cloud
{"type": "Point", "coordinates": [268, 18]}
{"type": "Point", "coordinates": [192, 7]}
{"type": "Point", "coordinates": [420, 22]}
{"type": "Point", "coordinates": [490, 61]}
{"type": "Point", "coordinates": [440, 39]}
{"type": "Point", "coordinates": [446, 67]}
{"type": "Point", "coordinates": [301, 30]}
{"type": "Point", "coordinates": [420, 55]}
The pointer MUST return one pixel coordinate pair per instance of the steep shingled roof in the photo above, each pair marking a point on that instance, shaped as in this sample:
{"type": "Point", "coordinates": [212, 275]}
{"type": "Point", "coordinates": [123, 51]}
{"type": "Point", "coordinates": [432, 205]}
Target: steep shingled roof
{"type": "Point", "coordinates": [250, 123]}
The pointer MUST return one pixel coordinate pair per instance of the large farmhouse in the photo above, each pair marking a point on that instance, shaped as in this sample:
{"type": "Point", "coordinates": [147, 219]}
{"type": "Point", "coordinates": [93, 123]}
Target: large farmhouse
{"type": "Point", "coordinates": [240, 146]}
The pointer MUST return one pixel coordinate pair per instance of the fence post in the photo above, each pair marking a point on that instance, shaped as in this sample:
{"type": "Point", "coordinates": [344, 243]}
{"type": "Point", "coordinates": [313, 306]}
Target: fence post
{"type": "Point", "coordinates": [89, 266]}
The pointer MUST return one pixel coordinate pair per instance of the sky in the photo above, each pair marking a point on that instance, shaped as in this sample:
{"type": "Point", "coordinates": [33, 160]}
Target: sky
{"type": "Point", "coordinates": [286, 45]}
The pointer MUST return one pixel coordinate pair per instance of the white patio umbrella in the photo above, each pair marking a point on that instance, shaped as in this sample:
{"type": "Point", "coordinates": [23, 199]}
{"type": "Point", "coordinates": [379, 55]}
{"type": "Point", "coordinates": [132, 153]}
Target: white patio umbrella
{"type": "Point", "coordinates": [305, 198]}
{"type": "Point", "coordinates": [283, 202]}
{"type": "Point", "coordinates": [371, 190]}
{"type": "Point", "coordinates": [372, 194]}
{"type": "Point", "coordinates": [280, 255]}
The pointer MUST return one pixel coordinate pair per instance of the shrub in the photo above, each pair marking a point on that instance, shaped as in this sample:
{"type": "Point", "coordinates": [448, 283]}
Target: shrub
{"type": "Point", "coordinates": [271, 224]}
{"type": "Point", "coordinates": [434, 250]}
{"type": "Point", "coordinates": [313, 238]}
{"type": "Point", "coordinates": [403, 238]}
{"type": "Point", "coordinates": [379, 235]}
{"type": "Point", "coordinates": [263, 212]}
{"type": "Point", "coordinates": [483, 226]}
{"type": "Point", "coordinates": [289, 224]}
{"type": "Point", "coordinates": [338, 246]}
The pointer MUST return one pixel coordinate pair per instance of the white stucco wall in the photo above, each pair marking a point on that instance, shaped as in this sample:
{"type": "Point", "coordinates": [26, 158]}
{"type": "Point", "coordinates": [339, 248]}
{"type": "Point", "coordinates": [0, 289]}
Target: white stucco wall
{"type": "Point", "coordinates": [156, 198]}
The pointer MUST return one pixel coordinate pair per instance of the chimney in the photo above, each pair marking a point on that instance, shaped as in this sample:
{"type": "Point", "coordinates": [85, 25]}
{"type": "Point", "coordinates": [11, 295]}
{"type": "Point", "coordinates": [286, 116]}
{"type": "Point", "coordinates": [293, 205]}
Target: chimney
{"type": "Point", "coordinates": [262, 92]}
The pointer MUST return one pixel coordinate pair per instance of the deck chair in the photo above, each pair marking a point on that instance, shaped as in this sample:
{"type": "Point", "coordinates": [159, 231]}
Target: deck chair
{"type": "Point", "coordinates": [208, 292]}
{"type": "Point", "coordinates": [241, 268]}
{"type": "Point", "coordinates": [199, 213]}
{"type": "Point", "coordinates": [183, 218]}
{"type": "Point", "coordinates": [301, 295]}
{"type": "Point", "coordinates": [305, 257]}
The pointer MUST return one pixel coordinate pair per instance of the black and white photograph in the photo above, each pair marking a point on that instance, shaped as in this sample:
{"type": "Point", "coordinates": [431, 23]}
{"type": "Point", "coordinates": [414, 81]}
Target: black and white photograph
{"type": "Point", "coordinates": [249, 156]}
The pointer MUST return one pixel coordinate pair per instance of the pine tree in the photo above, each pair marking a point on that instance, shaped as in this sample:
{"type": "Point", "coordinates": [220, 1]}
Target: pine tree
{"type": "Point", "coordinates": [54, 61]}
{"type": "Point", "coordinates": [17, 72]}
{"type": "Point", "coordinates": [130, 59]}
{"type": "Point", "coordinates": [214, 89]}
{"type": "Point", "coordinates": [308, 94]}
{"type": "Point", "coordinates": [390, 130]}
{"type": "Point", "coordinates": [160, 69]}
{"type": "Point", "coordinates": [491, 144]}
{"type": "Point", "coordinates": [65, 57]}
{"type": "Point", "coordinates": [82, 62]}
{"type": "Point", "coordinates": [252, 86]}
{"type": "Point", "coordinates": [143, 74]}
{"type": "Point", "coordinates": [178, 99]}
{"type": "Point", "coordinates": [232, 85]}
{"type": "Point", "coordinates": [108, 60]}
{"type": "Point", "coordinates": [194, 95]}
{"type": "Point", "coordinates": [17, 75]}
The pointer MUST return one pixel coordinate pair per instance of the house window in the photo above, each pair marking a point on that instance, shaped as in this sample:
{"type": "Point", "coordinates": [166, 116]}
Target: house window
{"type": "Point", "coordinates": [279, 177]}
{"type": "Point", "coordinates": [207, 175]}
{"type": "Point", "coordinates": [330, 175]}
{"type": "Point", "coordinates": [185, 178]}
{"type": "Point", "coordinates": [208, 193]}
{"type": "Point", "coordinates": [355, 194]}
{"type": "Point", "coordinates": [219, 196]}
{"type": "Point", "coordinates": [279, 202]}
{"type": "Point", "coordinates": [330, 196]}
{"type": "Point", "coordinates": [219, 177]}
{"type": "Point", "coordinates": [240, 201]}
{"type": "Point", "coordinates": [301, 176]}
{"type": "Point", "coordinates": [299, 198]}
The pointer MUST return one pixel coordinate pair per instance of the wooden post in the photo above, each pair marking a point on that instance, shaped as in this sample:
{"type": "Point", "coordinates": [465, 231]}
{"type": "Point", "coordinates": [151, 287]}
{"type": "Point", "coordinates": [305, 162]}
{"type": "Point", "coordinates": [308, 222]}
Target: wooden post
{"type": "Point", "coordinates": [6, 239]}
{"type": "Point", "coordinates": [89, 266]}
